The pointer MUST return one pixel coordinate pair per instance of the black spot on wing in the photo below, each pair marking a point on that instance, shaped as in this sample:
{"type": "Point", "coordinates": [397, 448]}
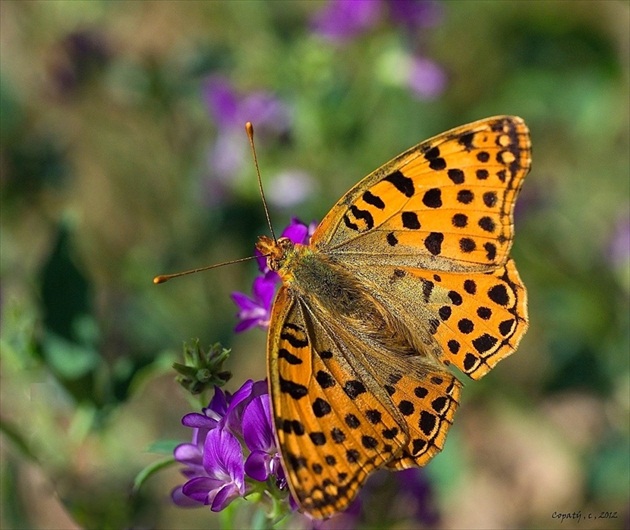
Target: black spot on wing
{"type": "Point", "coordinates": [432, 198]}
{"type": "Point", "coordinates": [288, 356]}
{"type": "Point", "coordinates": [436, 162]}
{"type": "Point", "coordinates": [456, 175]}
{"type": "Point", "coordinates": [402, 183]}
{"type": "Point", "coordinates": [295, 390]}
{"type": "Point", "coordinates": [373, 200]}
{"type": "Point", "coordinates": [363, 215]}
{"type": "Point", "coordinates": [410, 220]}
{"type": "Point", "coordinates": [467, 140]}
{"type": "Point", "coordinates": [433, 242]}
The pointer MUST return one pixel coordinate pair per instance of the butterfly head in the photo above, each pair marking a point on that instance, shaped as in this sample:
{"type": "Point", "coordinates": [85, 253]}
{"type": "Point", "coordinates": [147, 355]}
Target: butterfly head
{"type": "Point", "coordinates": [275, 251]}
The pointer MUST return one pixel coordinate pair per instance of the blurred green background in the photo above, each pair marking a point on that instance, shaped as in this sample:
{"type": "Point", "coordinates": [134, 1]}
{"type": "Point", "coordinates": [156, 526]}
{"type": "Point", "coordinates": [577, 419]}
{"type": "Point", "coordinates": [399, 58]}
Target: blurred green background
{"type": "Point", "coordinates": [123, 156]}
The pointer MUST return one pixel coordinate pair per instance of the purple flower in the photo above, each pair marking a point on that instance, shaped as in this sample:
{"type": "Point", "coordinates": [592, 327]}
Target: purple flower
{"type": "Point", "coordinates": [415, 488]}
{"type": "Point", "coordinates": [255, 310]}
{"type": "Point", "coordinates": [230, 111]}
{"type": "Point", "coordinates": [341, 20]}
{"type": "Point", "coordinates": [619, 244]}
{"type": "Point", "coordinates": [217, 464]}
{"type": "Point", "coordinates": [264, 459]}
{"type": "Point", "coordinates": [415, 13]}
{"type": "Point", "coordinates": [225, 475]}
{"type": "Point", "coordinates": [427, 79]}
{"type": "Point", "coordinates": [290, 188]}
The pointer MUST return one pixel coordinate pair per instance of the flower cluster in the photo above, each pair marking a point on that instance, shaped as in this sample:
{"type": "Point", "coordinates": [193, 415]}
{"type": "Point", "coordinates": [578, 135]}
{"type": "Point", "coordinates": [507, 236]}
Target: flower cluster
{"type": "Point", "coordinates": [255, 310]}
{"type": "Point", "coordinates": [342, 20]}
{"type": "Point", "coordinates": [231, 426]}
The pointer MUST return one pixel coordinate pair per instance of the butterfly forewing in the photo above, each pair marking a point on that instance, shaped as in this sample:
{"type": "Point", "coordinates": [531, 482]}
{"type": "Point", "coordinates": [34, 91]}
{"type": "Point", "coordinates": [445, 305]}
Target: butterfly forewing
{"type": "Point", "coordinates": [445, 204]}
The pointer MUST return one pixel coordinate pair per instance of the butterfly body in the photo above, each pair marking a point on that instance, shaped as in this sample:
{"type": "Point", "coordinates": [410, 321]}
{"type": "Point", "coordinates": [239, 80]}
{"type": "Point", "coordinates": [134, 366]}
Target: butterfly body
{"type": "Point", "coordinates": [323, 284]}
{"type": "Point", "coordinates": [407, 274]}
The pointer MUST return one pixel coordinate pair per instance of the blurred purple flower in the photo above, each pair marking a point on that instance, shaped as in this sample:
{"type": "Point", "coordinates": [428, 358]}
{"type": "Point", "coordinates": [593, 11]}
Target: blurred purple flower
{"type": "Point", "coordinates": [426, 78]}
{"type": "Point", "coordinates": [230, 111]}
{"type": "Point", "coordinates": [341, 20]}
{"type": "Point", "coordinates": [619, 244]}
{"type": "Point", "coordinates": [415, 487]}
{"type": "Point", "coordinates": [255, 310]}
{"type": "Point", "coordinates": [415, 13]}
{"type": "Point", "coordinates": [290, 188]}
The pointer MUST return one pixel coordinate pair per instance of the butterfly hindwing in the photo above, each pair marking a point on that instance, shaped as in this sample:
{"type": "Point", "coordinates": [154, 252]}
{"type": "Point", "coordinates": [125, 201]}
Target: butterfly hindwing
{"type": "Point", "coordinates": [426, 396]}
{"type": "Point", "coordinates": [331, 431]}
{"type": "Point", "coordinates": [445, 204]}
{"type": "Point", "coordinates": [429, 404]}
{"type": "Point", "coordinates": [470, 320]}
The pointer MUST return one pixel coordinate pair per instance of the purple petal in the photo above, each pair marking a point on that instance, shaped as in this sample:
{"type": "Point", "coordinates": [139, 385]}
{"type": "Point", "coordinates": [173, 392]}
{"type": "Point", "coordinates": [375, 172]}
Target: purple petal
{"type": "Point", "coordinates": [618, 251]}
{"type": "Point", "coordinates": [200, 488]}
{"type": "Point", "coordinates": [264, 289]}
{"type": "Point", "coordinates": [199, 421]}
{"type": "Point", "coordinates": [178, 497]}
{"type": "Point", "coordinates": [257, 465]}
{"type": "Point", "coordinates": [242, 397]}
{"type": "Point", "coordinates": [259, 388]}
{"type": "Point", "coordinates": [296, 231]}
{"type": "Point", "coordinates": [257, 430]}
{"type": "Point", "coordinates": [218, 404]}
{"type": "Point", "coordinates": [262, 262]}
{"type": "Point", "coordinates": [415, 485]}
{"type": "Point", "coordinates": [343, 19]}
{"type": "Point", "coordinates": [244, 302]}
{"type": "Point", "coordinates": [223, 496]}
{"type": "Point", "coordinates": [187, 453]}
{"type": "Point", "coordinates": [223, 457]}
{"type": "Point", "coordinates": [265, 111]}
{"type": "Point", "coordinates": [249, 323]}
{"type": "Point", "coordinates": [258, 314]}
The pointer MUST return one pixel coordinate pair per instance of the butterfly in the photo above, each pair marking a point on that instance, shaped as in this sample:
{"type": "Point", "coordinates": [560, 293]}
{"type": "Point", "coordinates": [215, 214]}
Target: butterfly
{"type": "Point", "coordinates": [408, 274]}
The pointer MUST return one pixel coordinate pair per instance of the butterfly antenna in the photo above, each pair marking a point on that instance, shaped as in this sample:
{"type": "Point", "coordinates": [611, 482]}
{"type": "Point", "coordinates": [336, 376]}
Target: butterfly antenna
{"type": "Point", "coordinates": [249, 128]}
{"type": "Point", "coordinates": [166, 277]}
